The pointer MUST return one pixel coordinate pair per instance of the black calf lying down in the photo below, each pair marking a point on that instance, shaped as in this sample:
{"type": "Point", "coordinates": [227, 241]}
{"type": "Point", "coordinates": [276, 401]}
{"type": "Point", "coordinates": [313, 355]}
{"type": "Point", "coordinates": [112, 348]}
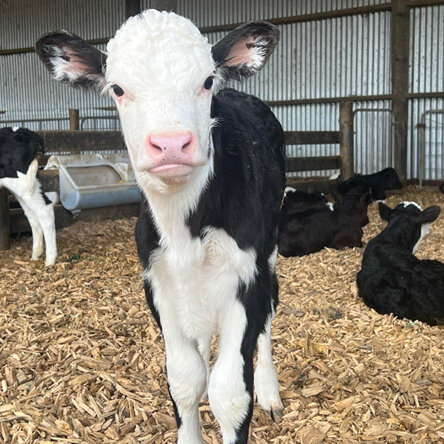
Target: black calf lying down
{"type": "Point", "coordinates": [392, 279]}
{"type": "Point", "coordinates": [325, 225]}
{"type": "Point", "coordinates": [378, 183]}
{"type": "Point", "coordinates": [18, 168]}
{"type": "Point", "coordinates": [296, 201]}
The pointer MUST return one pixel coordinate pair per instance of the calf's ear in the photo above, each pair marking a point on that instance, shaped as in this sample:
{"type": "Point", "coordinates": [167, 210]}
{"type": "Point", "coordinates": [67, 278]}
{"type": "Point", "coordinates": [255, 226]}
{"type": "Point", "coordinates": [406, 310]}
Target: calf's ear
{"type": "Point", "coordinates": [384, 211]}
{"type": "Point", "coordinates": [72, 60]}
{"type": "Point", "coordinates": [429, 214]}
{"type": "Point", "coordinates": [245, 50]}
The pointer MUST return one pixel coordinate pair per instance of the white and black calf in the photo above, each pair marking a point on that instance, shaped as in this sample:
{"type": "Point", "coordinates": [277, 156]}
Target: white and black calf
{"type": "Point", "coordinates": [18, 169]}
{"type": "Point", "coordinates": [392, 279]}
{"type": "Point", "coordinates": [211, 167]}
{"type": "Point", "coordinates": [378, 183]}
{"type": "Point", "coordinates": [310, 228]}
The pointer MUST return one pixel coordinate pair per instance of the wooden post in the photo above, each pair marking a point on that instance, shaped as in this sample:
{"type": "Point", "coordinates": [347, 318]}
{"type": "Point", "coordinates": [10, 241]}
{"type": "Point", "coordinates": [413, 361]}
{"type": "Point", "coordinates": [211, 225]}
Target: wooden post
{"type": "Point", "coordinates": [346, 139]}
{"type": "Point", "coordinates": [400, 40]}
{"type": "Point", "coordinates": [74, 119]}
{"type": "Point", "coordinates": [132, 7]}
{"type": "Point", "coordinates": [5, 241]}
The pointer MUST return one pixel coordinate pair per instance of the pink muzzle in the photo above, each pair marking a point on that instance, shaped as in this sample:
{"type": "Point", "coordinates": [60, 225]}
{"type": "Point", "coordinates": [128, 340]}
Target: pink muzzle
{"type": "Point", "coordinates": [171, 150]}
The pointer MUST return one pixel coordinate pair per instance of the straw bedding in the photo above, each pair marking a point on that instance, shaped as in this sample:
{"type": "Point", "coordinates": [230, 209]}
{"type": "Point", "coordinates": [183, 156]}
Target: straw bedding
{"type": "Point", "coordinates": [81, 360]}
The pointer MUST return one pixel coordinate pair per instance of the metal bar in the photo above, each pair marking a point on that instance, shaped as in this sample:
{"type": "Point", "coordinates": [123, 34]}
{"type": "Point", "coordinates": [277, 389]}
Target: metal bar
{"type": "Point", "coordinates": [421, 140]}
{"type": "Point", "coordinates": [421, 3]}
{"type": "Point", "coordinates": [5, 234]}
{"type": "Point", "coordinates": [323, 100]}
{"type": "Point", "coordinates": [307, 17]}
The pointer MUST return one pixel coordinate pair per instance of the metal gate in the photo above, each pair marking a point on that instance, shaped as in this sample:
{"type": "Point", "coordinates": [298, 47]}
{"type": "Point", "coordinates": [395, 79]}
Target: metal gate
{"type": "Point", "coordinates": [431, 145]}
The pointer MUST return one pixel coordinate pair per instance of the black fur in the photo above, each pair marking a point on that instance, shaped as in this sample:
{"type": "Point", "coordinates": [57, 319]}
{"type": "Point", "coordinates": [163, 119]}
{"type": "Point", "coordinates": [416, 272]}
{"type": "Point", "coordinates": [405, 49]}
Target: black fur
{"type": "Point", "coordinates": [17, 150]}
{"type": "Point", "coordinates": [386, 179]}
{"type": "Point", "coordinates": [307, 231]}
{"type": "Point", "coordinates": [297, 201]}
{"type": "Point", "coordinates": [441, 187]}
{"type": "Point", "coordinates": [392, 279]}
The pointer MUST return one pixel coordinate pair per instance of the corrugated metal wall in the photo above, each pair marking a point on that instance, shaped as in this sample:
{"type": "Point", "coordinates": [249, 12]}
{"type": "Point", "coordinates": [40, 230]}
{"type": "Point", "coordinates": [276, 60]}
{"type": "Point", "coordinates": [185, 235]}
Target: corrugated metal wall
{"type": "Point", "coordinates": [26, 89]}
{"type": "Point", "coordinates": [314, 60]}
{"type": "Point", "coordinates": [335, 57]}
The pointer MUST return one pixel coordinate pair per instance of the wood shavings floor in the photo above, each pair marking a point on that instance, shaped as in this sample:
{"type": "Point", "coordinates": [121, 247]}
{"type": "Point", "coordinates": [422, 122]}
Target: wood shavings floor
{"type": "Point", "coordinates": [81, 360]}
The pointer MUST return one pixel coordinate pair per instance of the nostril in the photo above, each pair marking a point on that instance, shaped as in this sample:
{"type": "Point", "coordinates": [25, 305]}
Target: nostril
{"type": "Point", "coordinates": [157, 147]}
{"type": "Point", "coordinates": [184, 148]}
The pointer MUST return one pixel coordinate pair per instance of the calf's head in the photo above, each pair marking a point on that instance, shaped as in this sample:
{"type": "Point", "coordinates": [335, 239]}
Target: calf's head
{"type": "Point", "coordinates": [411, 219]}
{"type": "Point", "coordinates": [162, 73]}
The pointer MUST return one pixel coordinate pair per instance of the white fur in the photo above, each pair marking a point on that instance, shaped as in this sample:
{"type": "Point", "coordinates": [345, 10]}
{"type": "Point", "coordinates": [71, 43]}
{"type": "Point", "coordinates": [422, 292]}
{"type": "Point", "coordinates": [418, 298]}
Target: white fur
{"type": "Point", "coordinates": [15, 128]}
{"type": "Point", "coordinates": [164, 89]}
{"type": "Point", "coordinates": [335, 176]}
{"type": "Point", "coordinates": [195, 293]}
{"type": "Point", "coordinates": [265, 377]}
{"type": "Point", "coordinates": [289, 189]}
{"type": "Point", "coordinates": [425, 230]}
{"type": "Point", "coordinates": [406, 204]}
{"type": "Point", "coordinates": [330, 206]}
{"type": "Point", "coordinates": [26, 189]}
{"type": "Point", "coordinates": [272, 260]}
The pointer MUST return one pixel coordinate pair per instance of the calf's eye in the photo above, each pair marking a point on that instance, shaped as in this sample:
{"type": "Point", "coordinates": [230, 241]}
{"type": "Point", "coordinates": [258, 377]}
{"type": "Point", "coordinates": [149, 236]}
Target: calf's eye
{"type": "Point", "coordinates": [208, 82]}
{"type": "Point", "coordinates": [118, 91]}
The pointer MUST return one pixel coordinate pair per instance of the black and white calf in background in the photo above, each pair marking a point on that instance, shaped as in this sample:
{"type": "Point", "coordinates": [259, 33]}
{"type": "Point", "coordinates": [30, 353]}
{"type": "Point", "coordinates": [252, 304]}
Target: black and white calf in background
{"type": "Point", "coordinates": [18, 169]}
{"type": "Point", "coordinates": [210, 163]}
{"type": "Point", "coordinates": [392, 279]}
{"type": "Point", "coordinates": [307, 230]}
{"type": "Point", "coordinates": [378, 183]}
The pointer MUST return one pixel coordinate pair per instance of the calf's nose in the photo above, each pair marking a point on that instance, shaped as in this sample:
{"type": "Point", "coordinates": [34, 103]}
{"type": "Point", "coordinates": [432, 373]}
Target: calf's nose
{"type": "Point", "coordinates": [172, 147]}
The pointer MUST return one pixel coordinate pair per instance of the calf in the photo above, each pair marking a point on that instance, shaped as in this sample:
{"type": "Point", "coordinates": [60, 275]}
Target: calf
{"type": "Point", "coordinates": [18, 169]}
{"type": "Point", "coordinates": [378, 183]}
{"type": "Point", "coordinates": [441, 187]}
{"type": "Point", "coordinates": [295, 201]}
{"type": "Point", "coordinates": [334, 226]}
{"type": "Point", "coordinates": [392, 279]}
{"type": "Point", "coordinates": [211, 167]}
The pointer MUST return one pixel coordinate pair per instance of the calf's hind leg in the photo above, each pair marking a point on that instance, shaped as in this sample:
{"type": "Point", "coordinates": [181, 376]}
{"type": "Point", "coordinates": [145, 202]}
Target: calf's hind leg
{"type": "Point", "coordinates": [265, 377]}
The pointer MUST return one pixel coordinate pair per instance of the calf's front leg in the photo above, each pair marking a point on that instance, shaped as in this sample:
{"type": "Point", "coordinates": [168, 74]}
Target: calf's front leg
{"type": "Point", "coordinates": [230, 389]}
{"type": "Point", "coordinates": [186, 369]}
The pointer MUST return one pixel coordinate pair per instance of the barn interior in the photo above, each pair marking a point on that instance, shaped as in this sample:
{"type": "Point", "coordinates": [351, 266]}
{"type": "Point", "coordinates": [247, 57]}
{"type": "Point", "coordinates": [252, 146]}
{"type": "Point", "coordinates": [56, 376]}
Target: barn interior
{"type": "Point", "coordinates": [358, 86]}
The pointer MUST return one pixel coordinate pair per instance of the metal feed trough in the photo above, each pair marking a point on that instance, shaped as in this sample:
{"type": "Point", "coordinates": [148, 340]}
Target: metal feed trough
{"type": "Point", "coordinates": [94, 180]}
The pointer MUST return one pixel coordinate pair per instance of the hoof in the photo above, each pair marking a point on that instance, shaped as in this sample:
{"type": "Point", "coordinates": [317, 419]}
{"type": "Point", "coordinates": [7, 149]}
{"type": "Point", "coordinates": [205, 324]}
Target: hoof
{"type": "Point", "coordinates": [277, 413]}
